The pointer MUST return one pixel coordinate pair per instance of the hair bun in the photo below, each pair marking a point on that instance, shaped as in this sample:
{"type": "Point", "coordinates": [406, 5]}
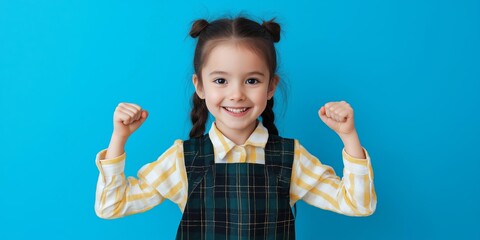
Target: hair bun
{"type": "Point", "coordinates": [273, 28]}
{"type": "Point", "coordinates": [197, 27]}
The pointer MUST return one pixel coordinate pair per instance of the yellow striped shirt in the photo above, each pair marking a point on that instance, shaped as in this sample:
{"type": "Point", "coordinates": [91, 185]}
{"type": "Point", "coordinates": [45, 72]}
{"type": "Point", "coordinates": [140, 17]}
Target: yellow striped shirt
{"type": "Point", "coordinates": [166, 178]}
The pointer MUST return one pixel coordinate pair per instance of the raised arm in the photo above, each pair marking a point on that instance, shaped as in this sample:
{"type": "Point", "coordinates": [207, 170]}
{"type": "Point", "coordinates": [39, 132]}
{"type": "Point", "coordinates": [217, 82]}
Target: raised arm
{"type": "Point", "coordinates": [117, 196]}
{"type": "Point", "coordinates": [318, 185]}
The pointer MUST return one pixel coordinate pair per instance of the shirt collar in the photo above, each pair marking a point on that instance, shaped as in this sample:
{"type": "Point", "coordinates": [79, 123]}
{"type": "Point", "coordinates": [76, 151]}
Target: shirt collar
{"type": "Point", "coordinates": [222, 145]}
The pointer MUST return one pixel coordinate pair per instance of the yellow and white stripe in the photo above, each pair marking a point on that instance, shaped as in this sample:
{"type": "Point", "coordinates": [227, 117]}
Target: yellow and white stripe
{"type": "Point", "coordinates": [311, 181]}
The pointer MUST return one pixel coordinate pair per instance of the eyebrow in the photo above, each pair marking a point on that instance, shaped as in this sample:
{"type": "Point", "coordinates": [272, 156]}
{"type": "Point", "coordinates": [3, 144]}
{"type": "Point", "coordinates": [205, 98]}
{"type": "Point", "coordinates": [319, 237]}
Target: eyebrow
{"type": "Point", "coordinates": [226, 73]}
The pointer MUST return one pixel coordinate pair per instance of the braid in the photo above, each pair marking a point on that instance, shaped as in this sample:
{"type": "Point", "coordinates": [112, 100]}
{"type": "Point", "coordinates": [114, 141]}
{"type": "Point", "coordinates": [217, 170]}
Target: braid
{"type": "Point", "coordinates": [268, 118]}
{"type": "Point", "coordinates": [199, 116]}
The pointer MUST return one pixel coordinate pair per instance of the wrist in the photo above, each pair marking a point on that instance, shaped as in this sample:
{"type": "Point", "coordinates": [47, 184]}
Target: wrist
{"type": "Point", "coordinates": [116, 138]}
{"type": "Point", "coordinates": [116, 146]}
{"type": "Point", "coordinates": [352, 145]}
{"type": "Point", "coordinates": [349, 137]}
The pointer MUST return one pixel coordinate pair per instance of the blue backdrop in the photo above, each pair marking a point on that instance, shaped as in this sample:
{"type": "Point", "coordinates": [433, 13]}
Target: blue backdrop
{"type": "Point", "coordinates": [410, 69]}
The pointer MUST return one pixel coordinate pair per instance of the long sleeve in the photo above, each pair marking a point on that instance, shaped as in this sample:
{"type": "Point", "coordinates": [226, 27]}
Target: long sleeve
{"type": "Point", "coordinates": [318, 185]}
{"type": "Point", "coordinates": [118, 196]}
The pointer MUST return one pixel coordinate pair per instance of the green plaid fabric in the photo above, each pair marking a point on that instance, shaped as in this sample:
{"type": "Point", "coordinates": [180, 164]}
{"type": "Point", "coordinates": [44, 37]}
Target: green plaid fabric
{"type": "Point", "coordinates": [238, 200]}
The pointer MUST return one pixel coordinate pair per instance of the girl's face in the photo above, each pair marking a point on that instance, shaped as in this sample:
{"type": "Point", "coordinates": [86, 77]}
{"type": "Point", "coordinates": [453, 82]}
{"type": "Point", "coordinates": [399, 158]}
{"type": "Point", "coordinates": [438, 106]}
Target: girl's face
{"type": "Point", "coordinates": [236, 86]}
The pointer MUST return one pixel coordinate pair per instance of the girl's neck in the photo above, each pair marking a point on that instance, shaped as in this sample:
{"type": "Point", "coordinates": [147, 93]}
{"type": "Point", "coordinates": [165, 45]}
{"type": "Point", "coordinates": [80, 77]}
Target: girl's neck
{"type": "Point", "coordinates": [239, 137]}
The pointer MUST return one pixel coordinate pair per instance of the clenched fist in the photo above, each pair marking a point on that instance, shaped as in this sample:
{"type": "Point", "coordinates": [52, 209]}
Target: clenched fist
{"type": "Point", "coordinates": [127, 118]}
{"type": "Point", "coordinates": [338, 116]}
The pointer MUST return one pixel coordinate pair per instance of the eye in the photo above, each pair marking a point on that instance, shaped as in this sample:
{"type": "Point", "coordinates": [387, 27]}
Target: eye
{"type": "Point", "coordinates": [252, 81]}
{"type": "Point", "coordinates": [220, 81]}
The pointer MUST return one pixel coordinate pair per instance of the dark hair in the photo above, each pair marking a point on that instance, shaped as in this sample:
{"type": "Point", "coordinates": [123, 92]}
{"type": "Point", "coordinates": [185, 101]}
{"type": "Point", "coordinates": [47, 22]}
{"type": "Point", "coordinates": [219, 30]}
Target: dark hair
{"type": "Point", "coordinates": [260, 38]}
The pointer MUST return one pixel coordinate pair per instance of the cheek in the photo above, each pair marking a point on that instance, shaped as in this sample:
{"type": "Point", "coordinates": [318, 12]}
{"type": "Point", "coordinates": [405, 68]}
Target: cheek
{"type": "Point", "coordinates": [212, 97]}
{"type": "Point", "coordinates": [260, 98]}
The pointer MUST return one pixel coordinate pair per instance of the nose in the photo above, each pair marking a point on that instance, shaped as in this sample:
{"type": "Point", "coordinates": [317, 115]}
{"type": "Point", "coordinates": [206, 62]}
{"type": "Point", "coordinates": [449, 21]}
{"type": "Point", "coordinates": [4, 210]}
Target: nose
{"type": "Point", "coordinates": [237, 93]}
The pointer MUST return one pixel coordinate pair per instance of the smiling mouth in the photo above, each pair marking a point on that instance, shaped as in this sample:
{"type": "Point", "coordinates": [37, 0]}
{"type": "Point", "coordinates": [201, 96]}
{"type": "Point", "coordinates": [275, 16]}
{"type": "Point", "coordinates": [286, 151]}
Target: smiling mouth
{"type": "Point", "coordinates": [236, 110]}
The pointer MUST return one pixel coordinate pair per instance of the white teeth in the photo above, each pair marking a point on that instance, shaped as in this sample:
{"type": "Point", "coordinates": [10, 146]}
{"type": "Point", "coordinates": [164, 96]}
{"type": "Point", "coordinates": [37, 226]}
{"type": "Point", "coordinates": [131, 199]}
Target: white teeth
{"type": "Point", "coordinates": [236, 110]}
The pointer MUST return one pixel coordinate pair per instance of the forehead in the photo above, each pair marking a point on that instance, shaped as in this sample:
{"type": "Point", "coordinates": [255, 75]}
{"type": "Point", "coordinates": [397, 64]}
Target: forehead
{"type": "Point", "coordinates": [234, 57]}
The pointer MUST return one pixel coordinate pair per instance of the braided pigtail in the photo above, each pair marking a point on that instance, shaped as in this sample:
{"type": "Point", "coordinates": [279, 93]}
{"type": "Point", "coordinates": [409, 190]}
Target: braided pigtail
{"type": "Point", "coordinates": [268, 118]}
{"type": "Point", "coordinates": [199, 116]}
{"type": "Point", "coordinates": [199, 113]}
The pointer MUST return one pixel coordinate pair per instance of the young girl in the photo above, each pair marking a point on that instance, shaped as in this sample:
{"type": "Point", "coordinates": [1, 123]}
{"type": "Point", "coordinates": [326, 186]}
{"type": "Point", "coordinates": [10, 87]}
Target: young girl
{"type": "Point", "coordinates": [241, 179]}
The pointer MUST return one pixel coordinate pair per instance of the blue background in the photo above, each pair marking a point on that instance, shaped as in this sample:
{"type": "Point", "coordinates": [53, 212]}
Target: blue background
{"type": "Point", "coordinates": [410, 69]}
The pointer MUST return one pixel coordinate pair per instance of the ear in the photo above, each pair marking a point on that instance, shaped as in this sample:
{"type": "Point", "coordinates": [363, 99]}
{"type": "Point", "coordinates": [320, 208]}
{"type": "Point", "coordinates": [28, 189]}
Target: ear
{"type": "Point", "coordinates": [272, 86]}
{"type": "Point", "coordinates": [198, 86]}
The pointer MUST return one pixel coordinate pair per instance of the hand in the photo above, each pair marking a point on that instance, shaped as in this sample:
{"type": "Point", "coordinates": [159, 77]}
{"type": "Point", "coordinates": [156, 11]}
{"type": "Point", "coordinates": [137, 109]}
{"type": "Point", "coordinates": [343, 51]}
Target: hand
{"type": "Point", "coordinates": [127, 118]}
{"type": "Point", "coordinates": [338, 116]}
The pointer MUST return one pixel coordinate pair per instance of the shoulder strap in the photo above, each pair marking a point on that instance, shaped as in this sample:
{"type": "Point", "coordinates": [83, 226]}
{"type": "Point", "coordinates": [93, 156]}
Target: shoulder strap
{"type": "Point", "coordinates": [198, 156]}
{"type": "Point", "coordinates": [197, 151]}
{"type": "Point", "coordinates": [279, 154]}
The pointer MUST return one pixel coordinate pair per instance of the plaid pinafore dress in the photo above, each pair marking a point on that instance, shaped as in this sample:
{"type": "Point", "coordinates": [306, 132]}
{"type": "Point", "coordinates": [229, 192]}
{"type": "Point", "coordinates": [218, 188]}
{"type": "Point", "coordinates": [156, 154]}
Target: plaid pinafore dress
{"type": "Point", "coordinates": [238, 200]}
